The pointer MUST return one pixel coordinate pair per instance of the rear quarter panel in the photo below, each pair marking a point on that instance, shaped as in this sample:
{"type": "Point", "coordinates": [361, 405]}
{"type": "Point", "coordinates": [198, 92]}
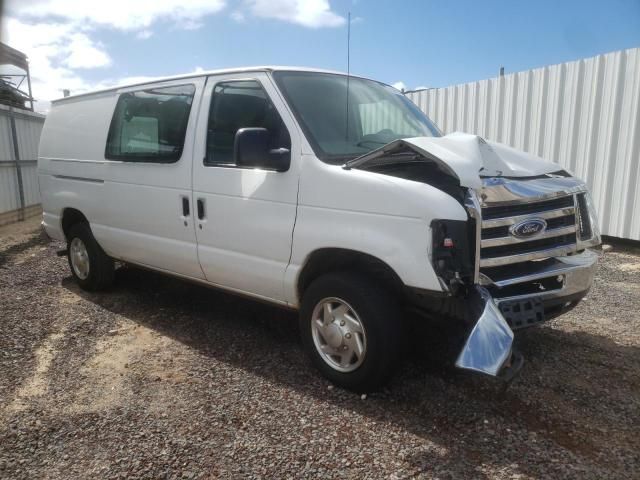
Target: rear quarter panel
{"type": "Point", "coordinates": [71, 166]}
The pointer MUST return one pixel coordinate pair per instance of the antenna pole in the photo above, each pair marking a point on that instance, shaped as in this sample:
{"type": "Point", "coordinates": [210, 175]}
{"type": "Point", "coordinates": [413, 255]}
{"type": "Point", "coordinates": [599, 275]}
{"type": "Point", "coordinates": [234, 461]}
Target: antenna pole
{"type": "Point", "coordinates": [348, 43]}
{"type": "Point", "coordinates": [348, 72]}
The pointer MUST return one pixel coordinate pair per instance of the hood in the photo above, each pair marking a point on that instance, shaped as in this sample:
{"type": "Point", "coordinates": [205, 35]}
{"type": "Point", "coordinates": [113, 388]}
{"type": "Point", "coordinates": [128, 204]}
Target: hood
{"type": "Point", "coordinates": [467, 157]}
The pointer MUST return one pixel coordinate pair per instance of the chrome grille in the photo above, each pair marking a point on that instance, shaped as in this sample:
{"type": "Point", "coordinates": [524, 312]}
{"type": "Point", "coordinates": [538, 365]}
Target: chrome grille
{"type": "Point", "coordinates": [584, 222]}
{"type": "Point", "coordinates": [499, 247]}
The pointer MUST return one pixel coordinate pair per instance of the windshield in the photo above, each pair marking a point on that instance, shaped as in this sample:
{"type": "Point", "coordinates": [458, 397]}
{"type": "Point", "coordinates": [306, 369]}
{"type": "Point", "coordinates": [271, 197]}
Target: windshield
{"type": "Point", "coordinates": [377, 114]}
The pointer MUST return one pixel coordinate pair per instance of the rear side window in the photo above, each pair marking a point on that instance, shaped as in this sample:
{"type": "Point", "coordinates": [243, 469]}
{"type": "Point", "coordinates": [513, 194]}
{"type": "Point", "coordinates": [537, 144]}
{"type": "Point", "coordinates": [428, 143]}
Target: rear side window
{"type": "Point", "coordinates": [150, 125]}
{"type": "Point", "coordinates": [235, 105]}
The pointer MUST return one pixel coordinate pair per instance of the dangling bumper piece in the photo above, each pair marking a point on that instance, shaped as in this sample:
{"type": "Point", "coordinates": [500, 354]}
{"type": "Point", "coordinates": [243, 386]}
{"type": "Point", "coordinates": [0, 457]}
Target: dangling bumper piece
{"type": "Point", "coordinates": [489, 347]}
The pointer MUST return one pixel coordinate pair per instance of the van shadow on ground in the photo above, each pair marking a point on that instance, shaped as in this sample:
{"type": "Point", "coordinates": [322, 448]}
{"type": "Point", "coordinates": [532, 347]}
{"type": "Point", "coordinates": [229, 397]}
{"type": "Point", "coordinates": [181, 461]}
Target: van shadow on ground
{"type": "Point", "coordinates": [577, 395]}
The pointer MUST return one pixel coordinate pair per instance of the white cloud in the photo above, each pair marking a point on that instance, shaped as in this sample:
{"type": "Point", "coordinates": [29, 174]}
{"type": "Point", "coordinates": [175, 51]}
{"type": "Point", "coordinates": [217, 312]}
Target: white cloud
{"type": "Point", "coordinates": [402, 86]}
{"type": "Point", "coordinates": [308, 13]}
{"type": "Point", "coordinates": [58, 36]}
{"type": "Point", "coordinates": [55, 53]}
{"type": "Point", "coordinates": [118, 14]}
{"type": "Point", "coordinates": [84, 53]}
{"type": "Point", "coordinates": [238, 16]}
{"type": "Point", "coordinates": [54, 50]}
{"type": "Point", "coordinates": [144, 34]}
{"type": "Point", "coordinates": [188, 24]}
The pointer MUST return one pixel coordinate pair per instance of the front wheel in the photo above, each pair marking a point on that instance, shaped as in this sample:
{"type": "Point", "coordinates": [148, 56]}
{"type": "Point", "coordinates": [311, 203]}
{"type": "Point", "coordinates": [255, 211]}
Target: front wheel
{"type": "Point", "coordinates": [352, 329]}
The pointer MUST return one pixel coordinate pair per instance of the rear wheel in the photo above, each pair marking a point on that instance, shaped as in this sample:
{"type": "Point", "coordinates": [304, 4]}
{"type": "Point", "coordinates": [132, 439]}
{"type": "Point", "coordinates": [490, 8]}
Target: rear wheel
{"type": "Point", "coordinates": [91, 267]}
{"type": "Point", "coordinates": [352, 329]}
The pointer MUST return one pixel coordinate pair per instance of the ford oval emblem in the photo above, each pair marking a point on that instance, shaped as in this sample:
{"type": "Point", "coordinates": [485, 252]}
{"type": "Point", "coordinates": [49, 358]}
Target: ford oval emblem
{"type": "Point", "coordinates": [528, 228]}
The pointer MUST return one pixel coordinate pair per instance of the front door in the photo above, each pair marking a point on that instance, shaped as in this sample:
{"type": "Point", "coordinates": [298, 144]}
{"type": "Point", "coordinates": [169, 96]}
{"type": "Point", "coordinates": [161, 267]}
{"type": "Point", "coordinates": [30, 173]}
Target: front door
{"type": "Point", "coordinates": [244, 216]}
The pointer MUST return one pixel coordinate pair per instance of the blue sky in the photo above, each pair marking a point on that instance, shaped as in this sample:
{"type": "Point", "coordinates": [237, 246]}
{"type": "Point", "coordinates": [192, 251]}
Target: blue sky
{"type": "Point", "coordinates": [82, 45]}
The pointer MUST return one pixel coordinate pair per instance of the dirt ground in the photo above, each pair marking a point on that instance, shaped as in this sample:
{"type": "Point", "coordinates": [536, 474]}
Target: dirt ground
{"type": "Point", "coordinates": [159, 378]}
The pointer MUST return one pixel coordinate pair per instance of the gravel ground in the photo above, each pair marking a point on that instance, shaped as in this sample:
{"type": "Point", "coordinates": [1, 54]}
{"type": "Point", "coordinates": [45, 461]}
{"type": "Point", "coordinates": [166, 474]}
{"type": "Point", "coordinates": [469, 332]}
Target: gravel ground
{"type": "Point", "coordinates": [162, 379]}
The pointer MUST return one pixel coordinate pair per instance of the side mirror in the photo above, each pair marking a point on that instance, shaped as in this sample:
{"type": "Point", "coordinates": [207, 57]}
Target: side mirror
{"type": "Point", "coordinates": [251, 149]}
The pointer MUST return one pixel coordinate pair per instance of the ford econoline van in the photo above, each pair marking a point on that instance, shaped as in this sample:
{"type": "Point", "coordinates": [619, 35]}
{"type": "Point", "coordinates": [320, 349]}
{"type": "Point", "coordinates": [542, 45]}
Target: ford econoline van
{"type": "Point", "coordinates": [329, 194]}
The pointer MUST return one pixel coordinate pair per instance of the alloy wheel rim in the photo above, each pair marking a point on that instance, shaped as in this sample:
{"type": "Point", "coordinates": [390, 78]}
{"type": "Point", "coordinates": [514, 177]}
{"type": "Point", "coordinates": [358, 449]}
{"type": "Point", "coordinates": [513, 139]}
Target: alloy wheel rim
{"type": "Point", "coordinates": [79, 258]}
{"type": "Point", "coordinates": [338, 334]}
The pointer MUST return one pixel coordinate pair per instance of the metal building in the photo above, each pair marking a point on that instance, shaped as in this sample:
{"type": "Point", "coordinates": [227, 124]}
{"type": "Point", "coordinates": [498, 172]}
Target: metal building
{"type": "Point", "coordinates": [583, 115]}
{"type": "Point", "coordinates": [15, 85]}
{"type": "Point", "coordinates": [19, 138]}
{"type": "Point", "coordinates": [20, 131]}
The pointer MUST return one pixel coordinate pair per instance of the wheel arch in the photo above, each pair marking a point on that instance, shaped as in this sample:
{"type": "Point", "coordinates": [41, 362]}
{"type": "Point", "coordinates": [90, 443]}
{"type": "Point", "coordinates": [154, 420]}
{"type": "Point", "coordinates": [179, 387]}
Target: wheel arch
{"type": "Point", "coordinates": [71, 216]}
{"type": "Point", "coordinates": [332, 259]}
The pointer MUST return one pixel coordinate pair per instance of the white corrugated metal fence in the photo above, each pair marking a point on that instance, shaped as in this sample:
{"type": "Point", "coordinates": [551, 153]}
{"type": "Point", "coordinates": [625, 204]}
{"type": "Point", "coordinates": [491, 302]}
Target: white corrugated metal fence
{"type": "Point", "coordinates": [19, 137]}
{"type": "Point", "coordinates": [583, 115]}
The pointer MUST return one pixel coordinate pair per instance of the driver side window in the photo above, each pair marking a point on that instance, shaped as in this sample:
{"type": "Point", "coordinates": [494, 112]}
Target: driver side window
{"type": "Point", "coordinates": [235, 105]}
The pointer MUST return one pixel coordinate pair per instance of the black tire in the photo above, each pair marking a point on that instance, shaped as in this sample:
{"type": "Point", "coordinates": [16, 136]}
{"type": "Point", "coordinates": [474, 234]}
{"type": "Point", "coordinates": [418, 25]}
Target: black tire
{"type": "Point", "coordinates": [380, 313]}
{"type": "Point", "coordinates": [101, 266]}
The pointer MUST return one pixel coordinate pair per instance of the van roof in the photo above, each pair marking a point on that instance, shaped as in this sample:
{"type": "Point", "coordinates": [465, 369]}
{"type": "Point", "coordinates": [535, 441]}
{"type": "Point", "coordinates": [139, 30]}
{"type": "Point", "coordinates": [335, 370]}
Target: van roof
{"type": "Point", "coordinates": [203, 73]}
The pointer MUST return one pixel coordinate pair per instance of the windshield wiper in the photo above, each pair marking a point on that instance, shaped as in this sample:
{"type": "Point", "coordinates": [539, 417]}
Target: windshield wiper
{"type": "Point", "coordinates": [387, 148]}
{"type": "Point", "coordinates": [377, 142]}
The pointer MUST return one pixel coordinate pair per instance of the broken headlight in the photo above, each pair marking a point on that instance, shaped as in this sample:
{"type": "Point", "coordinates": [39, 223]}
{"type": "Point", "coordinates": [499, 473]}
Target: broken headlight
{"type": "Point", "coordinates": [452, 257]}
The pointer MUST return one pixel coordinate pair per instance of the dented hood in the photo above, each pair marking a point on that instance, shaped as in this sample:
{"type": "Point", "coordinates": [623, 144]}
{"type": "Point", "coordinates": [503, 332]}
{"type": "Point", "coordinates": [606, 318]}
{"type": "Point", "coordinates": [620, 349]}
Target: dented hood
{"type": "Point", "coordinates": [467, 157]}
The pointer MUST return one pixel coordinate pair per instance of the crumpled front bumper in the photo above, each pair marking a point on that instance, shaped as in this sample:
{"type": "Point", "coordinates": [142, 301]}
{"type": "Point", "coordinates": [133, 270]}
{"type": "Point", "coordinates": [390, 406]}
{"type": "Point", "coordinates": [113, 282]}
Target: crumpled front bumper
{"type": "Point", "coordinates": [489, 347]}
{"type": "Point", "coordinates": [567, 280]}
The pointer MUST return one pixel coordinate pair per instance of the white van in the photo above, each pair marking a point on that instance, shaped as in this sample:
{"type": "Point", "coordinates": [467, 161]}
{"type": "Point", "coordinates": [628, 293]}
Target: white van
{"type": "Point", "coordinates": [328, 194]}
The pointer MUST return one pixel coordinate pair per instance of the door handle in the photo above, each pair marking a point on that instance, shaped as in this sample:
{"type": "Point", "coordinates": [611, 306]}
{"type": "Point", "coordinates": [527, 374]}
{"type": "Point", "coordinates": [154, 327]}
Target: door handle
{"type": "Point", "coordinates": [185, 207]}
{"type": "Point", "coordinates": [200, 206]}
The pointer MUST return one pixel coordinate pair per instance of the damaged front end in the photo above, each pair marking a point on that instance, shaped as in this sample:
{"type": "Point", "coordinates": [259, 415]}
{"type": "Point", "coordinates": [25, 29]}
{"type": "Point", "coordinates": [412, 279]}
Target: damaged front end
{"type": "Point", "coordinates": [522, 256]}
{"type": "Point", "coordinates": [488, 346]}
{"type": "Point", "coordinates": [487, 336]}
